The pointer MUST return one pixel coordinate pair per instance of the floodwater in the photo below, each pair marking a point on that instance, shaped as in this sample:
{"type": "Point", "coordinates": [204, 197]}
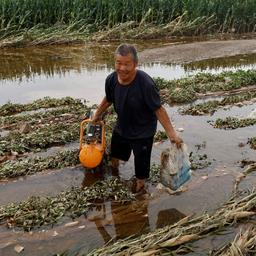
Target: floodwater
{"type": "Point", "coordinates": [79, 72]}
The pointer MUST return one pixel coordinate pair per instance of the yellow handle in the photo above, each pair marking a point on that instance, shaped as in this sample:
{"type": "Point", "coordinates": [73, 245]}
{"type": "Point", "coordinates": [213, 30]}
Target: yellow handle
{"type": "Point", "coordinates": [82, 132]}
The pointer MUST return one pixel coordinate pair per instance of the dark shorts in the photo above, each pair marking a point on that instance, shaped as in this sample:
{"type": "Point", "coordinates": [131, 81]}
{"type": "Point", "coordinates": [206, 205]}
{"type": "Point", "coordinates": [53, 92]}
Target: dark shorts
{"type": "Point", "coordinates": [121, 148]}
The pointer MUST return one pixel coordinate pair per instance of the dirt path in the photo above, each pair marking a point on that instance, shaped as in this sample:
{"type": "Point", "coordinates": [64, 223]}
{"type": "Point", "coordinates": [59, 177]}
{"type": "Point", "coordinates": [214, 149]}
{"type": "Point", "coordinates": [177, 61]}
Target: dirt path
{"type": "Point", "coordinates": [184, 53]}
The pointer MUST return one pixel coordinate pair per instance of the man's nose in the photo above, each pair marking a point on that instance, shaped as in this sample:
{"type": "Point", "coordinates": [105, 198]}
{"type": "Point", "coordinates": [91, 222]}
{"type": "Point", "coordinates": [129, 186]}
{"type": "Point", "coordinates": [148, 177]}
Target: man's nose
{"type": "Point", "coordinates": [122, 67]}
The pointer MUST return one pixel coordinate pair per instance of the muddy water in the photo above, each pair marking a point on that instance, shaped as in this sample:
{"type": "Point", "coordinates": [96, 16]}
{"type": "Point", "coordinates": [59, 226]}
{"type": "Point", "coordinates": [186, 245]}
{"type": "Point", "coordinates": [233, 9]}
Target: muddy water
{"type": "Point", "coordinates": [29, 74]}
{"type": "Point", "coordinates": [79, 71]}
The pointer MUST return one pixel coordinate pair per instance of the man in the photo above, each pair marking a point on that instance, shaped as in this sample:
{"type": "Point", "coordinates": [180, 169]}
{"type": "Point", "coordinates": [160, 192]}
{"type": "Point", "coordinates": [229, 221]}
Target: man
{"type": "Point", "coordinates": [137, 103]}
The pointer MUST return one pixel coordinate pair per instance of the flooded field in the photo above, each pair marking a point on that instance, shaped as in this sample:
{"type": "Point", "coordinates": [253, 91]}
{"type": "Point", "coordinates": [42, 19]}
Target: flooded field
{"type": "Point", "coordinates": [79, 72]}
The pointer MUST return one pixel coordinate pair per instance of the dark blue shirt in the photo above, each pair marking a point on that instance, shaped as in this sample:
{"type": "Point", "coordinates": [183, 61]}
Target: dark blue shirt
{"type": "Point", "coordinates": [135, 105]}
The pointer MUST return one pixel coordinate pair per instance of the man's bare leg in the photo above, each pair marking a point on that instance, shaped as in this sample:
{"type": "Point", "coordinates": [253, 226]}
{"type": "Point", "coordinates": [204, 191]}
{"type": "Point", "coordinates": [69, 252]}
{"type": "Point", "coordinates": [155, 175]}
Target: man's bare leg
{"type": "Point", "coordinates": [115, 163]}
{"type": "Point", "coordinates": [140, 184]}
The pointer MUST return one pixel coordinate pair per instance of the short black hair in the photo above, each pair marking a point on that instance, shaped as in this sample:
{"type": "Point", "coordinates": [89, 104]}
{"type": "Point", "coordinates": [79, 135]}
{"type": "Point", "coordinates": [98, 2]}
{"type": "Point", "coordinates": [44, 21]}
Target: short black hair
{"type": "Point", "coordinates": [125, 49]}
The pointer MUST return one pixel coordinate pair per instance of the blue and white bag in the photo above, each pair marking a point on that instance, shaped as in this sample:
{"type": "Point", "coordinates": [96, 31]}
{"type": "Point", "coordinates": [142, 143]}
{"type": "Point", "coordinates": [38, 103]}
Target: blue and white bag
{"type": "Point", "coordinates": [175, 166]}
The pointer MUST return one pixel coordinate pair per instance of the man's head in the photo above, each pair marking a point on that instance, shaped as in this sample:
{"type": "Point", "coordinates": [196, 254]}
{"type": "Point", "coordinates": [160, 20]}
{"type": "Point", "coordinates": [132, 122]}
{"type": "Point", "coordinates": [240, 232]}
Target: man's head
{"type": "Point", "coordinates": [126, 61]}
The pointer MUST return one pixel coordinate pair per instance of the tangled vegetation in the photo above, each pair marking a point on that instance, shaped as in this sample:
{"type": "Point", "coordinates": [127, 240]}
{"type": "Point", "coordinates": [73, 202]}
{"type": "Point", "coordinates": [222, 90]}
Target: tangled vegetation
{"type": "Point", "coordinates": [233, 122]}
{"type": "Point", "coordinates": [199, 161]}
{"type": "Point", "coordinates": [59, 114]}
{"type": "Point", "coordinates": [42, 138]}
{"type": "Point", "coordinates": [171, 239]}
{"type": "Point", "coordinates": [38, 211]}
{"type": "Point", "coordinates": [189, 89]}
{"type": "Point", "coordinates": [31, 165]}
{"type": "Point", "coordinates": [210, 107]}
{"type": "Point", "coordinates": [243, 244]}
{"type": "Point", "coordinates": [47, 102]}
{"type": "Point", "coordinates": [252, 142]}
{"type": "Point", "coordinates": [35, 22]}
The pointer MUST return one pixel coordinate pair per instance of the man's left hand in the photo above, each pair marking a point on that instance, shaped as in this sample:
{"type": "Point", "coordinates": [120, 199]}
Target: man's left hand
{"type": "Point", "coordinates": [177, 140]}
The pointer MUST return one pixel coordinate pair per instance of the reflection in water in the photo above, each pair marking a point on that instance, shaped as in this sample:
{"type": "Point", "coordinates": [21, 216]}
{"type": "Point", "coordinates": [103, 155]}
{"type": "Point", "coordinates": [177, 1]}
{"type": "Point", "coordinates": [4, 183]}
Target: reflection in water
{"type": "Point", "coordinates": [168, 217]}
{"type": "Point", "coordinates": [225, 63]}
{"type": "Point", "coordinates": [116, 221]}
{"type": "Point", "coordinates": [25, 64]}
{"type": "Point", "coordinates": [80, 71]}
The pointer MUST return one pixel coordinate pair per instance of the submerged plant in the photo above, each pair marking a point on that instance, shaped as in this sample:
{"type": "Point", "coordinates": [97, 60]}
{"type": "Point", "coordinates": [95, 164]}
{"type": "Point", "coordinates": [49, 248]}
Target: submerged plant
{"type": "Point", "coordinates": [38, 211]}
{"type": "Point", "coordinates": [233, 123]}
{"type": "Point", "coordinates": [210, 107]}
{"type": "Point", "coordinates": [199, 161]}
{"type": "Point", "coordinates": [31, 165]}
{"type": "Point", "coordinates": [47, 102]}
{"type": "Point", "coordinates": [56, 134]}
{"type": "Point", "coordinates": [59, 114]}
{"type": "Point", "coordinates": [160, 136]}
{"type": "Point", "coordinates": [252, 142]}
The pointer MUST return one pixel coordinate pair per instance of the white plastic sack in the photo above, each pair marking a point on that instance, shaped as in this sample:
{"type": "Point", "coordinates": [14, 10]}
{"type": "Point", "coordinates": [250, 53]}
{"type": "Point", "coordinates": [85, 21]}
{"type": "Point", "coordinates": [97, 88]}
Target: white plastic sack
{"type": "Point", "coordinates": [175, 166]}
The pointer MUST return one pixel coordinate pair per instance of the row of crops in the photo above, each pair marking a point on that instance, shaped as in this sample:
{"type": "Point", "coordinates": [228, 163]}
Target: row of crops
{"type": "Point", "coordinates": [49, 21]}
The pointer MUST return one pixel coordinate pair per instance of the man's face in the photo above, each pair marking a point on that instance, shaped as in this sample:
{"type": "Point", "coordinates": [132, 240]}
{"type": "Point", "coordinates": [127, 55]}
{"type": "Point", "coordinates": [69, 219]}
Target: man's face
{"type": "Point", "coordinates": [125, 67]}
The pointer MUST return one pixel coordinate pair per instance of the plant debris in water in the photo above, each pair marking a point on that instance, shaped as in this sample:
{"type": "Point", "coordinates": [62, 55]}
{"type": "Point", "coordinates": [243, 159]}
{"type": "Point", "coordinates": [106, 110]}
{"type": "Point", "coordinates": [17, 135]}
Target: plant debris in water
{"type": "Point", "coordinates": [252, 142]}
{"type": "Point", "coordinates": [199, 161]}
{"type": "Point", "coordinates": [47, 102]}
{"type": "Point", "coordinates": [210, 107]}
{"type": "Point", "coordinates": [38, 211]}
{"type": "Point", "coordinates": [187, 90]}
{"type": "Point", "coordinates": [60, 114]}
{"type": "Point", "coordinates": [243, 244]}
{"type": "Point", "coordinates": [171, 239]}
{"type": "Point", "coordinates": [233, 123]}
{"type": "Point", "coordinates": [56, 134]}
{"type": "Point", "coordinates": [28, 166]}
{"type": "Point", "coordinates": [160, 136]}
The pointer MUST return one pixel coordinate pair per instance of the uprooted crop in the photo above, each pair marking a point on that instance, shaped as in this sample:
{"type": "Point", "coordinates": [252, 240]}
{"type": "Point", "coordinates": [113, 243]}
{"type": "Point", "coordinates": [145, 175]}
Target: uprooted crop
{"type": "Point", "coordinates": [172, 239]}
{"type": "Point", "coordinates": [233, 123]}
{"type": "Point", "coordinates": [52, 135]}
{"type": "Point", "coordinates": [59, 114]}
{"type": "Point", "coordinates": [31, 165]}
{"type": "Point", "coordinates": [47, 102]}
{"type": "Point", "coordinates": [189, 89]}
{"type": "Point", "coordinates": [252, 142]}
{"type": "Point", "coordinates": [210, 107]}
{"type": "Point", "coordinates": [38, 211]}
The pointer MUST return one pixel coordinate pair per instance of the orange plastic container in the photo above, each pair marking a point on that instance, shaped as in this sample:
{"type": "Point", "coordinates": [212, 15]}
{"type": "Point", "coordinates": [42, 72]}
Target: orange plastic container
{"type": "Point", "coordinates": [92, 143]}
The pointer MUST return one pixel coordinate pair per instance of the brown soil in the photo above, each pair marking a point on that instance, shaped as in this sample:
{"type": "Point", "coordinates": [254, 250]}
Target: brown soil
{"type": "Point", "coordinates": [185, 53]}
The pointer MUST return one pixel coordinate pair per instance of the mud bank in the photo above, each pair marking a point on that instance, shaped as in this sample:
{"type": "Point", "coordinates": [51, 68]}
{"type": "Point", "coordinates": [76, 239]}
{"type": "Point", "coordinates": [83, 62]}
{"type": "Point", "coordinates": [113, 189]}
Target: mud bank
{"type": "Point", "coordinates": [191, 52]}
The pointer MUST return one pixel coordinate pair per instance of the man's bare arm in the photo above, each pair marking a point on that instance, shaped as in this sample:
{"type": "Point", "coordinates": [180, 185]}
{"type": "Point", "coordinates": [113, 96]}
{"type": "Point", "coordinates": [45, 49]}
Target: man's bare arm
{"type": "Point", "coordinates": [164, 119]}
{"type": "Point", "coordinates": [101, 109]}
